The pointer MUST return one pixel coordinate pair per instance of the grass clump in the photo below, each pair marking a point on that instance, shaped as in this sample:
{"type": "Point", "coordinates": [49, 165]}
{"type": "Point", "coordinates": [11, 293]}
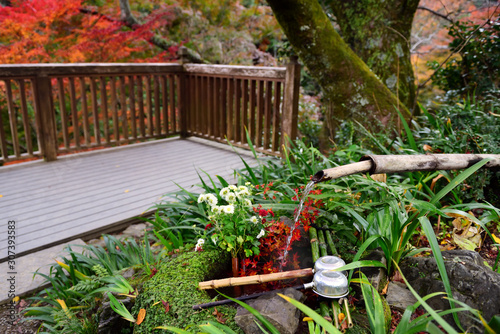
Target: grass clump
{"type": "Point", "coordinates": [168, 297]}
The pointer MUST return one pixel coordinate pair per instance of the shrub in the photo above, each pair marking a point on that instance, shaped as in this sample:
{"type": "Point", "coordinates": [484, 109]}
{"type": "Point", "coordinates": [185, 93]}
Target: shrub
{"type": "Point", "coordinates": [478, 69]}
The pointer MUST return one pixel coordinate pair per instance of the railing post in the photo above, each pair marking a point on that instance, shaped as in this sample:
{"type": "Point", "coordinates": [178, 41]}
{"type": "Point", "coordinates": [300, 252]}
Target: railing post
{"type": "Point", "coordinates": [290, 102]}
{"type": "Point", "coordinates": [182, 92]}
{"type": "Point", "coordinates": [45, 118]}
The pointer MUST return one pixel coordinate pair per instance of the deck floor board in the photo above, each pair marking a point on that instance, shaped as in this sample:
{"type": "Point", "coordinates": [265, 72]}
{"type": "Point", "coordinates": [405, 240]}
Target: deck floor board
{"type": "Point", "coordinates": [84, 194]}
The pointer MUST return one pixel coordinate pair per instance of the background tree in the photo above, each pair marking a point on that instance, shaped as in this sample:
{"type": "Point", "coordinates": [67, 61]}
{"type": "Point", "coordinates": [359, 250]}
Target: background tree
{"type": "Point", "coordinates": [379, 32]}
{"type": "Point", "coordinates": [352, 90]}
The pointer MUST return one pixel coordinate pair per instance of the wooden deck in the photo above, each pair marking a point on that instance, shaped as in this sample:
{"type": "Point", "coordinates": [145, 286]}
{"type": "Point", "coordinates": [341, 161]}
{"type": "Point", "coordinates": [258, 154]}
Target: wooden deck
{"type": "Point", "coordinates": [84, 195]}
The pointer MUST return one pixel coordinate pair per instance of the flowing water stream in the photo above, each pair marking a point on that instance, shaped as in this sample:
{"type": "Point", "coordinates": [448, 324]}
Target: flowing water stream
{"type": "Point", "coordinates": [306, 192]}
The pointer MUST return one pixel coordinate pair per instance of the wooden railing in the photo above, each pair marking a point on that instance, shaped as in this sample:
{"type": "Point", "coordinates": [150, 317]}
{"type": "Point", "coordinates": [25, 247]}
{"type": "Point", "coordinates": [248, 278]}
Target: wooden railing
{"type": "Point", "coordinates": [51, 109]}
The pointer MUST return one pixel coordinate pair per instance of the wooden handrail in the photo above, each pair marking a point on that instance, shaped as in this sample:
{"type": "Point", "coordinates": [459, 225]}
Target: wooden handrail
{"type": "Point", "coordinates": [62, 108]}
{"type": "Point", "coordinates": [237, 71]}
{"type": "Point", "coordinates": [85, 69]}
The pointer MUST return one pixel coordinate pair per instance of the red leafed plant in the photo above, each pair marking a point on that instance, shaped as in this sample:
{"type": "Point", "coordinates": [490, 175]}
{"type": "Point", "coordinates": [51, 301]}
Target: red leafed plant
{"type": "Point", "coordinates": [273, 244]}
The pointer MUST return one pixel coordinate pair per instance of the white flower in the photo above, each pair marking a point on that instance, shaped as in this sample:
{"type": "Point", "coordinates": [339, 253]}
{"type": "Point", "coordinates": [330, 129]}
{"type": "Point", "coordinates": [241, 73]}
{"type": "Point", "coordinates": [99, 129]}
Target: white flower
{"type": "Point", "coordinates": [247, 202]}
{"type": "Point", "coordinates": [261, 234]}
{"type": "Point", "coordinates": [233, 187]}
{"type": "Point", "coordinates": [228, 209]}
{"type": "Point", "coordinates": [242, 193]}
{"type": "Point", "coordinates": [199, 245]}
{"type": "Point", "coordinates": [211, 199]}
{"type": "Point", "coordinates": [254, 219]}
{"type": "Point", "coordinates": [202, 198]}
{"type": "Point", "coordinates": [216, 209]}
{"type": "Point", "coordinates": [230, 197]}
{"type": "Point", "coordinates": [215, 239]}
{"type": "Point", "coordinates": [242, 188]}
{"type": "Point", "coordinates": [223, 193]}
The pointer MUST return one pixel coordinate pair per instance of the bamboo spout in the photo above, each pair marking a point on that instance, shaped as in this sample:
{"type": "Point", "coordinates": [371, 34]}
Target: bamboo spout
{"type": "Point", "coordinates": [378, 164]}
{"type": "Point", "coordinates": [336, 172]}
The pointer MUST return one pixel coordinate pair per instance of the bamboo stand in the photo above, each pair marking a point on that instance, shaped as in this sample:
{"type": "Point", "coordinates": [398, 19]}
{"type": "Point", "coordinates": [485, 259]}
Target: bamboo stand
{"type": "Point", "coordinates": [235, 267]}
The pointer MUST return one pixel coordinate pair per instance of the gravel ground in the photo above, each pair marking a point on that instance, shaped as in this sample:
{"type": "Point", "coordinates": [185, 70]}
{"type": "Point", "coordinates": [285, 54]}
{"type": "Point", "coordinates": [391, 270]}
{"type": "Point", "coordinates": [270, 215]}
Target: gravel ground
{"type": "Point", "coordinates": [9, 325]}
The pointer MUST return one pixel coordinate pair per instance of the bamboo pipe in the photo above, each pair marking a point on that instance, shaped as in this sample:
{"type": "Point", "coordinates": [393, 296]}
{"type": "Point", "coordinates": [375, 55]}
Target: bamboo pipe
{"type": "Point", "coordinates": [322, 244]}
{"type": "Point", "coordinates": [313, 236]}
{"type": "Point", "coordinates": [257, 279]}
{"type": "Point", "coordinates": [378, 164]}
{"type": "Point", "coordinates": [350, 324]}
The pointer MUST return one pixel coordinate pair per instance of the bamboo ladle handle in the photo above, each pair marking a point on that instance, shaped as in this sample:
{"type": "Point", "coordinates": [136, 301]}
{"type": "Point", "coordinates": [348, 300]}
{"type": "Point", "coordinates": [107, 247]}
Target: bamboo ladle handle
{"type": "Point", "coordinates": [257, 279]}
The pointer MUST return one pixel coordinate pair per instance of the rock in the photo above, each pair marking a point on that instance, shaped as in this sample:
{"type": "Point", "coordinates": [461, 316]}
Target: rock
{"type": "Point", "coordinates": [398, 296]}
{"type": "Point", "coordinates": [128, 273]}
{"type": "Point", "coordinates": [134, 230]}
{"type": "Point", "coordinates": [376, 275]}
{"type": "Point", "coordinates": [97, 242]}
{"type": "Point", "coordinates": [471, 281]}
{"type": "Point", "coordinates": [283, 315]}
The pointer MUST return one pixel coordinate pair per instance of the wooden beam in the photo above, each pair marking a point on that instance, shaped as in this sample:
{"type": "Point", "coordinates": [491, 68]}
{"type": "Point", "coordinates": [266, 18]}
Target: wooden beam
{"type": "Point", "coordinates": [290, 101]}
{"type": "Point", "coordinates": [46, 119]}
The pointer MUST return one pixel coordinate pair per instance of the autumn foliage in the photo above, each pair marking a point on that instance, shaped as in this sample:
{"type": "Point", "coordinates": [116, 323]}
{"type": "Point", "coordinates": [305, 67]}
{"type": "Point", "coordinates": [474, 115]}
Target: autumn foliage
{"type": "Point", "coordinates": [68, 31]}
{"type": "Point", "coordinates": [274, 243]}
{"type": "Point", "coordinates": [95, 31]}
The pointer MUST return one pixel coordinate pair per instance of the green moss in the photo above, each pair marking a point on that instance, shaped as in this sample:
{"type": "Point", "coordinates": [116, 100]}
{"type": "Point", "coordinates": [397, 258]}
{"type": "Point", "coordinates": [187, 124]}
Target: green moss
{"type": "Point", "coordinates": [176, 283]}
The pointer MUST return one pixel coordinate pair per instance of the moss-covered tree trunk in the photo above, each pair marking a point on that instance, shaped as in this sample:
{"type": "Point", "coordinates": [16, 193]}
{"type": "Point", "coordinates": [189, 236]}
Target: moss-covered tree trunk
{"type": "Point", "coordinates": [379, 32]}
{"type": "Point", "coordinates": [353, 90]}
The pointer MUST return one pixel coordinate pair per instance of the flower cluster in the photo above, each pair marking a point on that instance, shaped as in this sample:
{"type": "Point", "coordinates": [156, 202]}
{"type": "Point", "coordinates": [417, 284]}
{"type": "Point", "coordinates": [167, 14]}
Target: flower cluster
{"type": "Point", "coordinates": [233, 227]}
{"type": "Point", "coordinates": [199, 245]}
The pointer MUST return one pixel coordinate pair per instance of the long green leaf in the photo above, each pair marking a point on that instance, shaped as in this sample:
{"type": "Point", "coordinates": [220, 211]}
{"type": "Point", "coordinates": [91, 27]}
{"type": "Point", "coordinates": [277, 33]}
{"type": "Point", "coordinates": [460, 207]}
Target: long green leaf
{"type": "Point", "coordinates": [311, 313]}
{"type": "Point", "coordinates": [174, 329]}
{"type": "Point", "coordinates": [119, 308]}
{"type": "Point", "coordinates": [360, 264]}
{"type": "Point", "coordinates": [211, 329]}
{"type": "Point", "coordinates": [409, 134]}
{"type": "Point", "coordinates": [224, 328]}
{"type": "Point", "coordinates": [413, 222]}
{"type": "Point", "coordinates": [459, 179]}
{"type": "Point", "coordinates": [431, 237]}
{"type": "Point", "coordinates": [374, 305]}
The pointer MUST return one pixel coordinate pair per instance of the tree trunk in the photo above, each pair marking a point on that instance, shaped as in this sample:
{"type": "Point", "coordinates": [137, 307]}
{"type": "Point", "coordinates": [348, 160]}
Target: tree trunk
{"type": "Point", "coordinates": [353, 90]}
{"type": "Point", "coordinates": [379, 33]}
